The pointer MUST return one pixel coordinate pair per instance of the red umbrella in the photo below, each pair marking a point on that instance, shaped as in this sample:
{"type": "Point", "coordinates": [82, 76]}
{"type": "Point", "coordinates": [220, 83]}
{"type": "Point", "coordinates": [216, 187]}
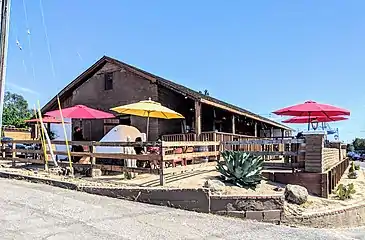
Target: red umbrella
{"type": "Point", "coordinates": [80, 112]}
{"type": "Point", "coordinates": [311, 119]}
{"type": "Point", "coordinates": [311, 108]}
{"type": "Point", "coordinates": [46, 119]}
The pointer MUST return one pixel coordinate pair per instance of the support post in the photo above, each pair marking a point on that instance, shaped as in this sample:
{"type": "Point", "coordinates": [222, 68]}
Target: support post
{"type": "Point", "coordinates": [13, 154]}
{"type": "Point", "coordinates": [3, 147]}
{"type": "Point", "coordinates": [198, 129]}
{"type": "Point", "coordinates": [162, 164]}
{"type": "Point", "coordinates": [215, 146]}
{"type": "Point", "coordinates": [233, 124]}
{"type": "Point", "coordinates": [314, 144]}
{"type": "Point", "coordinates": [93, 171]}
{"type": "Point", "coordinates": [93, 159]}
{"type": "Point", "coordinates": [256, 129]}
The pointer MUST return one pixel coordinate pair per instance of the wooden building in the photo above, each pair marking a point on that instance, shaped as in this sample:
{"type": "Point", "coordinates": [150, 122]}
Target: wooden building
{"type": "Point", "coordinates": [109, 83]}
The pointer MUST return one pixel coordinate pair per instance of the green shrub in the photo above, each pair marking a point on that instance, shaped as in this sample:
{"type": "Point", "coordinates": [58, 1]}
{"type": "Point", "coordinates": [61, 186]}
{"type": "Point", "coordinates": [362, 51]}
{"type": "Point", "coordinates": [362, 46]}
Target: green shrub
{"type": "Point", "coordinates": [357, 167]}
{"type": "Point", "coordinates": [352, 175]}
{"type": "Point", "coordinates": [352, 167]}
{"type": "Point", "coordinates": [240, 168]}
{"type": "Point", "coordinates": [345, 192]}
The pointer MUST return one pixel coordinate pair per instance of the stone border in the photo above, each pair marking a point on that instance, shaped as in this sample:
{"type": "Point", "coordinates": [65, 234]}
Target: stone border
{"type": "Point", "coordinates": [336, 218]}
{"type": "Point", "coordinates": [260, 208]}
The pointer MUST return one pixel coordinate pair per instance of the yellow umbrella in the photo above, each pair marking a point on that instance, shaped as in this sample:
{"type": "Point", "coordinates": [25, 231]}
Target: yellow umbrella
{"type": "Point", "coordinates": [149, 109]}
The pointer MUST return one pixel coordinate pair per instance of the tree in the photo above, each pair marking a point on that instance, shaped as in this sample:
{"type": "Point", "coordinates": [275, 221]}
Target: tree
{"type": "Point", "coordinates": [359, 144]}
{"type": "Point", "coordinates": [350, 148]}
{"type": "Point", "coordinates": [15, 110]}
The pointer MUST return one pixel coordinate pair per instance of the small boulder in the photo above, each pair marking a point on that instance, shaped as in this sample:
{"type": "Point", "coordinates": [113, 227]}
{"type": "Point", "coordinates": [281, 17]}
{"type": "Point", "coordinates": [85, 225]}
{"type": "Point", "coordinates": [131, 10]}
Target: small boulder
{"type": "Point", "coordinates": [296, 194]}
{"type": "Point", "coordinates": [214, 185]}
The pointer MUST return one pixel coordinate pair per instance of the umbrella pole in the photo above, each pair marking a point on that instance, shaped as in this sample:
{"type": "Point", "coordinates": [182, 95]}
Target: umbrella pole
{"type": "Point", "coordinates": [148, 126]}
{"type": "Point", "coordinates": [309, 121]}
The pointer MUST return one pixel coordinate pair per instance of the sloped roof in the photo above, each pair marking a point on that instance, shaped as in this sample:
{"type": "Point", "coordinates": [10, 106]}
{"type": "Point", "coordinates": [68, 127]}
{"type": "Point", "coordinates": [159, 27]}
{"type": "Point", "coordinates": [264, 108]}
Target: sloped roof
{"type": "Point", "coordinates": [158, 80]}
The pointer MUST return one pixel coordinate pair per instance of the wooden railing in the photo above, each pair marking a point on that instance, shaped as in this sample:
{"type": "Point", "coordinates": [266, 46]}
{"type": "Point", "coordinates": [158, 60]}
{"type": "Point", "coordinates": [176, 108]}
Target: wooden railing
{"type": "Point", "coordinates": [10, 151]}
{"type": "Point", "coordinates": [161, 155]}
{"type": "Point", "coordinates": [334, 175]}
{"type": "Point", "coordinates": [291, 149]}
{"type": "Point", "coordinates": [225, 137]}
{"type": "Point", "coordinates": [179, 137]}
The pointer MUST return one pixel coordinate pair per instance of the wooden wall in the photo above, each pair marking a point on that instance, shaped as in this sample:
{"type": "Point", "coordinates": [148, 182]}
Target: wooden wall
{"type": "Point", "coordinates": [330, 157]}
{"type": "Point", "coordinates": [17, 134]}
{"type": "Point", "coordinates": [314, 182]}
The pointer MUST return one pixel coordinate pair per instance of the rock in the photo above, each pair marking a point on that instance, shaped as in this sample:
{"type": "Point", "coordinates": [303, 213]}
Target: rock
{"type": "Point", "coordinates": [296, 194]}
{"type": "Point", "coordinates": [214, 185]}
{"type": "Point", "coordinates": [94, 173]}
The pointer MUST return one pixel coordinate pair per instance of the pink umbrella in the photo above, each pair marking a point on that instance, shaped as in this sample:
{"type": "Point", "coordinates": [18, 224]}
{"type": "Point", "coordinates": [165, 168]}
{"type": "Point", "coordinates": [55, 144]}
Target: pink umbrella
{"type": "Point", "coordinates": [80, 112]}
{"type": "Point", "coordinates": [46, 119]}
{"type": "Point", "coordinates": [312, 119]}
{"type": "Point", "coordinates": [311, 108]}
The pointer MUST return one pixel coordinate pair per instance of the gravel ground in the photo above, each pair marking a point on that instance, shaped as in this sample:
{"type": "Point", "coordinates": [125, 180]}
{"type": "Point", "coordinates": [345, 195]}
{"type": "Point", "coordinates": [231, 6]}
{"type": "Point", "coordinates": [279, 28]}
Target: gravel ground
{"type": "Point", "coordinates": [36, 211]}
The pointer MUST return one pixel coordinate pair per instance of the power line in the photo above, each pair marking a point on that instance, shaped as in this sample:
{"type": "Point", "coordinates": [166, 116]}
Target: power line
{"type": "Point", "coordinates": [47, 40]}
{"type": "Point", "coordinates": [29, 40]}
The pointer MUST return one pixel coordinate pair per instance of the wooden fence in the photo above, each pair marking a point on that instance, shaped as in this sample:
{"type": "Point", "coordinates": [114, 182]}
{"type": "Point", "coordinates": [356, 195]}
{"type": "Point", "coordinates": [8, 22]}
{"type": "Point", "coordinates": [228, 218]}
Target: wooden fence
{"type": "Point", "coordinates": [164, 156]}
{"type": "Point", "coordinates": [161, 155]}
{"type": "Point", "coordinates": [334, 175]}
{"type": "Point", "coordinates": [229, 137]}
{"type": "Point", "coordinates": [168, 153]}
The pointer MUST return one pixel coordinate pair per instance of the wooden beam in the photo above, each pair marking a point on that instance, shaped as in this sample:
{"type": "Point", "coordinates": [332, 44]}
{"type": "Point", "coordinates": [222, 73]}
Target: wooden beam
{"type": "Point", "coordinates": [24, 160]}
{"type": "Point", "coordinates": [141, 157]}
{"type": "Point", "coordinates": [90, 143]}
{"type": "Point", "coordinates": [233, 124]}
{"type": "Point", "coordinates": [214, 104]}
{"type": "Point", "coordinates": [189, 168]}
{"type": "Point", "coordinates": [265, 141]}
{"type": "Point", "coordinates": [189, 144]}
{"type": "Point", "coordinates": [256, 129]}
{"type": "Point", "coordinates": [272, 153]}
{"type": "Point", "coordinates": [198, 129]}
{"type": "Point", "coordinates": [189, 155]}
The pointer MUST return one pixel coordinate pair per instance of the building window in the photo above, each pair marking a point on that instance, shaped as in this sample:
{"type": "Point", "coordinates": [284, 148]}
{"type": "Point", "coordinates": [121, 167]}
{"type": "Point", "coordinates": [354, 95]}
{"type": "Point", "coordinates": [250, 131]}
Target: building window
{"type": "Point", "coordinates": [108, 81]}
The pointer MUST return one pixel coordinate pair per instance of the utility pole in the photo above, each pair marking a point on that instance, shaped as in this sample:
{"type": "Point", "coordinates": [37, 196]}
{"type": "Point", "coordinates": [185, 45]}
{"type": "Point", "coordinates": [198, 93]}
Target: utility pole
{"type": "Point", "coordinates": [4, 33]}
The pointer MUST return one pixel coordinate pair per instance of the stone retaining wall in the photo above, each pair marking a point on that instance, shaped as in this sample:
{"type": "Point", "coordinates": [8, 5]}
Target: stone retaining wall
{"type": "Point", "coordinates": [353, 216]}
{"type": "Point", "coordinates": [261, 208]}
{"type": "Point", "coordinates": [188, 199]}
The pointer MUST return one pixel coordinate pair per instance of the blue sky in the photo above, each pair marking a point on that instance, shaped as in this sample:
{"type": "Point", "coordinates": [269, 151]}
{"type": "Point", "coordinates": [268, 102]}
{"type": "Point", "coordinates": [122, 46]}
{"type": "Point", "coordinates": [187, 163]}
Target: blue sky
{"type": "Point", "coordinates": [260, 55]}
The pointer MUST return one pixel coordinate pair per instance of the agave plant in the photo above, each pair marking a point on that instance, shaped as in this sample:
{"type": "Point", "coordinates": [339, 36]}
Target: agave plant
{"type": "Point", "coordinates": [240, 168]}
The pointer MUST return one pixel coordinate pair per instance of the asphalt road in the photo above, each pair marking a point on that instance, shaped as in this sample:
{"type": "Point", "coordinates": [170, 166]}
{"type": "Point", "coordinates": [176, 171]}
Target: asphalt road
{"type": "Point", "coordinates": [36, 211]}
